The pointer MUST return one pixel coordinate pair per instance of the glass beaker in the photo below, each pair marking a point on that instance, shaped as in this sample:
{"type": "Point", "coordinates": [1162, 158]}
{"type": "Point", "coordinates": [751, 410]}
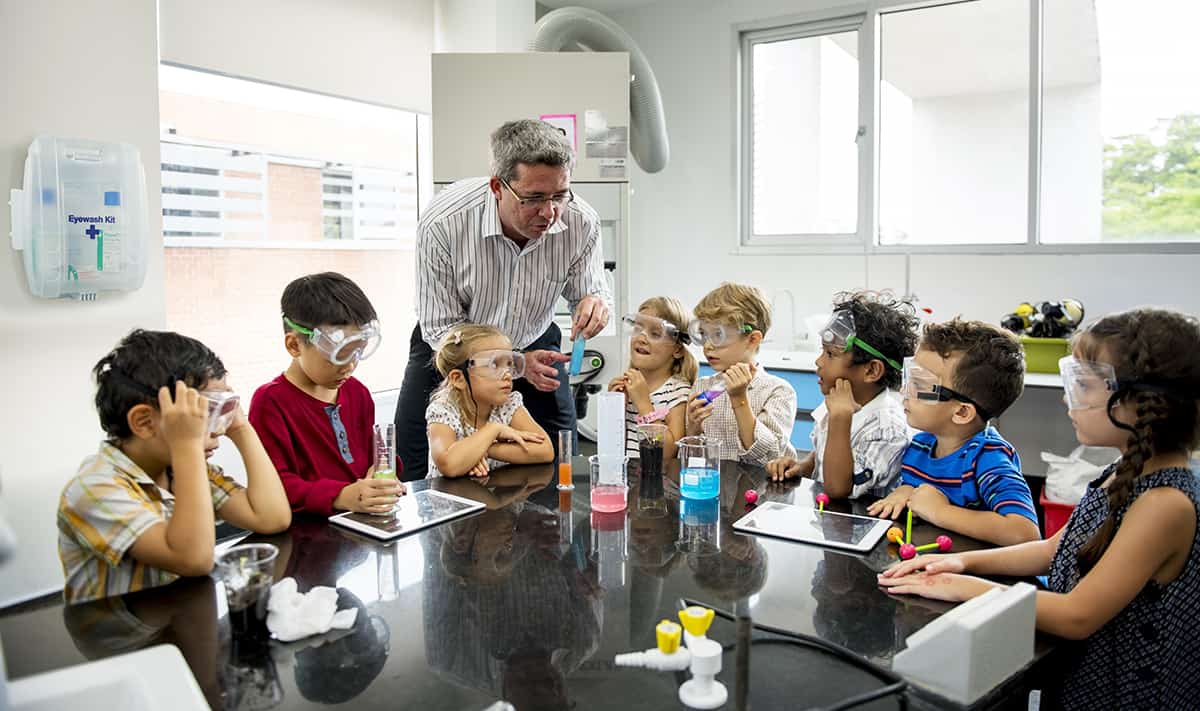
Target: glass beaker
{"type": "Point", "coordinates": [699, 467]}
{"type": "Point", "coordinates": [385, 451]}
{"type": "Point", "coordinates": [650, 447]}
{"type": "Point", "coordinates": [247, 573]}
{"type": "Point", "coordinates": [610, 482]}
{"type": "Point", "coordinates": [650, 500]}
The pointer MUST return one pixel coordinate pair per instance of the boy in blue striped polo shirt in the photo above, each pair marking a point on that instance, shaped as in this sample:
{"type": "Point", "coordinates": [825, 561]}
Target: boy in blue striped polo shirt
{"type": "Point", "coordinates": [959, 473]}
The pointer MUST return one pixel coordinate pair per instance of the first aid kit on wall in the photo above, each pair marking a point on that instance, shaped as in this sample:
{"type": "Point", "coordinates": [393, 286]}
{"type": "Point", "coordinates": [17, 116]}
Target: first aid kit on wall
{"type": "Point", "coordinates": [80, 218]}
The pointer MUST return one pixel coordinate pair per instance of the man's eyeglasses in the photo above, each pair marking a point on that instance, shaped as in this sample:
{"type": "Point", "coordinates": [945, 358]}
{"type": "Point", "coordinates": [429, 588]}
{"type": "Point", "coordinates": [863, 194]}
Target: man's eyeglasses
{"type": "Point", "coordinates": [558, 201]}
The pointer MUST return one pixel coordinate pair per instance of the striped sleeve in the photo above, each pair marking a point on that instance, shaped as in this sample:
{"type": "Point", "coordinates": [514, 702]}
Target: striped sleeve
{"type": "Point", "coordinates": [674, 392]}
{"type": "Point", "coordinates": [438, 308]}
{"type": "Point", "coordinates": [585, 276]}
{"type": "Point", "coordinates": [1001, 485]}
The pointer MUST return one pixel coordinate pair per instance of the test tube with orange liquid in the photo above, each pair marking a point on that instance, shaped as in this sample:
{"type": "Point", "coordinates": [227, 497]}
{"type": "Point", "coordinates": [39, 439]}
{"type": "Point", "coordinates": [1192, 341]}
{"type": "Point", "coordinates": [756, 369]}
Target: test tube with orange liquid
{"type": "Point", "coordinates": [566, 442]}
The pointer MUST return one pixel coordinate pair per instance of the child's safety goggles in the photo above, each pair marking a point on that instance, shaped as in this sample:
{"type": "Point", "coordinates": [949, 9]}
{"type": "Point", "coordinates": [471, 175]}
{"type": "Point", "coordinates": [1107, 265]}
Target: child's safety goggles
{"type": "Point", "coordinates": [921, 384]}
{"type": "Point", "coordinates": [495, 365]}
{"type": "Point", "coordinates": [839, 333]}
{"type": "Point", "coordinates": [222, 408]}
{"type": "Point", "coordinates": [655, 329]}
{"type": "Point", "coordinates": [222, 404]}
{"type": "Point", "coordinates": [340, 345]}
{"type": "Point", "coordinates": [716, 334]}
{"type": "Point", "coordinates": [1087, 384]}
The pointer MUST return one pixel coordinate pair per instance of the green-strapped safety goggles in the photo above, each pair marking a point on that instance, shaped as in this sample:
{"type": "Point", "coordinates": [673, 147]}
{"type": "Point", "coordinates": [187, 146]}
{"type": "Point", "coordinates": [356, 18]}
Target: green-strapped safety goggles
{"type": "Point", "coordinates": [341, 344]}
{"type": "Point", "coordinates": [839, 333]}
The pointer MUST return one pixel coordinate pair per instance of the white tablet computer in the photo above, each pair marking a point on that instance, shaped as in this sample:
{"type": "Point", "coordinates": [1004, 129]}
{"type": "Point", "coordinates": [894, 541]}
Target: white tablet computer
{"type": "Point", "coordinates": [415, 511]}
{"type": "Point", "coordinates": [808, 525]}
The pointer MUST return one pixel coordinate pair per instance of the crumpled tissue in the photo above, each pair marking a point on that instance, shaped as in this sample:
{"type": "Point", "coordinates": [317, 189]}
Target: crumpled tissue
{"type": "Point", "coordinates": [292, 615]}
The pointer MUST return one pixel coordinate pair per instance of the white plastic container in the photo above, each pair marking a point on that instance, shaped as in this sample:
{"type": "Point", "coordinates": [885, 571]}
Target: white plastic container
{"type": "Point", "coordinates": [80, 219]}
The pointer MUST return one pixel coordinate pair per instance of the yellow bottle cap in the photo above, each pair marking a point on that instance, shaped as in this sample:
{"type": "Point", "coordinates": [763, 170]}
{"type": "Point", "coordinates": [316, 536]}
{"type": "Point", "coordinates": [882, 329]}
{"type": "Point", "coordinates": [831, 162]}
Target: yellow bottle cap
{"type": "Point", "coordinates": [668, 634]}
{"type": "Point", "coordinates": [696, 619]}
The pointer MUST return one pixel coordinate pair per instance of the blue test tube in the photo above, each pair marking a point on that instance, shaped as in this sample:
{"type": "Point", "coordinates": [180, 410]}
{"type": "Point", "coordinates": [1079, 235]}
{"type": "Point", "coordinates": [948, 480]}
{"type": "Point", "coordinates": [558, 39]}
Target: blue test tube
{"type": "Point", "coordinates": [577, 355]}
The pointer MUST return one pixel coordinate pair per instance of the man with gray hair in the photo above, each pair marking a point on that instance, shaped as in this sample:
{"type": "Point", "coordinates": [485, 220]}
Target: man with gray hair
{"type": "Point", "coordinates": [500, 251]}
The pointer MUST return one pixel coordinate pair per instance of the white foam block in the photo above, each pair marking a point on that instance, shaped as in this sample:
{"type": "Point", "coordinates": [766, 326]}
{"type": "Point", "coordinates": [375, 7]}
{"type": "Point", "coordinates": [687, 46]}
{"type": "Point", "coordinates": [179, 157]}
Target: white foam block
{"type": "Point", "coordinates": [974, 647]}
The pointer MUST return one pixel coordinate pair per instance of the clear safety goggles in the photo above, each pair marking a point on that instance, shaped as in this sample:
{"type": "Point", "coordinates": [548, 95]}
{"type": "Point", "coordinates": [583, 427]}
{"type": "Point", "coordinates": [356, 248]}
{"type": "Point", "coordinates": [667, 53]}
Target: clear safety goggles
{"type": "Point", "coordinates": [839, 334]}
{"type": "Point", "coordinates": [222, 409]}
{"type": "Point", "coordinates": [496, 364]}
{"type": "Point", "coordinates": [655, 329]}
{"type": "Point", "coordinates": [716, 334]}
{"type": "Point", "coordinates": [222, 404]}
{"type": "Point", "coordinates": [1087, 384]}
{"type": "Point", "coordinates": [923, 385]}
{"type": "Point", "coordinates": [339, 345]}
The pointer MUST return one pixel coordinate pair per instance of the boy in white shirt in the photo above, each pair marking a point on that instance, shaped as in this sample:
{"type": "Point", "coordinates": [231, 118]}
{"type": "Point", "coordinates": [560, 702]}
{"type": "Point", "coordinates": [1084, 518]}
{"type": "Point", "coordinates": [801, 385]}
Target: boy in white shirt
{"type": "Point", "coordinates": [860, 432]}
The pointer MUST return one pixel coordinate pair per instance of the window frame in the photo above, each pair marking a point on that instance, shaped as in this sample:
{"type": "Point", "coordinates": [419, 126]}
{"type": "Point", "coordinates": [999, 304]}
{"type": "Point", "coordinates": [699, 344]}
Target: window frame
{"type": "Point", "coordinates": [866, 240]}
{"type": "Point", "coordinates": [421, 127]}
{"type": "Point", "coordinates": [798, 27]}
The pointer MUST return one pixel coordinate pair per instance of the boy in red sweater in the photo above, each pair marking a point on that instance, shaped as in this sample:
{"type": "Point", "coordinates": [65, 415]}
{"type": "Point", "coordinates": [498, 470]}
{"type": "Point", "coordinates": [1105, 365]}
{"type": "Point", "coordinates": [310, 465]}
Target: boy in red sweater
{"type": "Point", "coordinates": [316, 420]}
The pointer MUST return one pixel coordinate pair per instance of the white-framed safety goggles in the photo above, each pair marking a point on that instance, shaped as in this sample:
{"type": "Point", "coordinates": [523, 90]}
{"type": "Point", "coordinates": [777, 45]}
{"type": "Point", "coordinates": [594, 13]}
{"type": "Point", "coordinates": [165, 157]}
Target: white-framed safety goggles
{"type": "Point", "coordinates": [222, 409]}
{"type": "Point", "coordinates": [655, 329]}
{"type": "Point", "coordinates": [1087, 384]}
{"type": "Point", "coordinates": [496, 364]}
{"type": "Point", "coordinates": [839, 334]}
{"type": "Point", "coordinates": [715, 333]}
{"type": "Point", "coordinates": [341, 345]}
{"type": "Point", "coordinates": [222, 404]}
{"type": "Point", "coordinates": [925, 386]}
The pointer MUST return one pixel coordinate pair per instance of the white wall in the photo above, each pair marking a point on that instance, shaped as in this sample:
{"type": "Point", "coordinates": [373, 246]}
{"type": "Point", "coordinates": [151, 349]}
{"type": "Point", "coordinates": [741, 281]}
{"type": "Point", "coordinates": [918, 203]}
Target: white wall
{"type": "Point", "coordinates": [483, 25]}
{"type": "Point", "coordinates": [56, 82]}
{"type": "Point", "coordinates": [371, 50]}
{"type": "Point", "coordinates": [685, 217]}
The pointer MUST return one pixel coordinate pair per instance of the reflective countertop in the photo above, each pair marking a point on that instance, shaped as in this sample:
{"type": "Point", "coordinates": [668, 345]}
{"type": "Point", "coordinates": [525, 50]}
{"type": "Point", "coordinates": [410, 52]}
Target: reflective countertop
{"type": "Point", "coordinates": [527, 601]}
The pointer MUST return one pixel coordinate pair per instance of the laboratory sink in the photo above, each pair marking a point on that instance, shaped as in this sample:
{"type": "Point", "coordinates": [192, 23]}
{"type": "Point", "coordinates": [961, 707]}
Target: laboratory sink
{"type": "Point", "coordinates": [146, 680]}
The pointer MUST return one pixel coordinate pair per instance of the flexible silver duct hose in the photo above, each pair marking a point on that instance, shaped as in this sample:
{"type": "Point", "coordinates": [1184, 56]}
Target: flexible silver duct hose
{"type": "Point", "coordinates": [570, 28]}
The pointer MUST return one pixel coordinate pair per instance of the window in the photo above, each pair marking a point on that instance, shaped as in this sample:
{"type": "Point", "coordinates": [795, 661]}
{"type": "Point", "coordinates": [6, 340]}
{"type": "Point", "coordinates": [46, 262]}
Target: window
{"type": "Point", "coordinates": [1121, 117]}
{"type": "Point", "coordinates": [990, 125]}
{"type": "Point", "coordinates": [954, 124]}
{"type": "Point", "coordinates": [263, 184]}
{"type": "Point", "coordinates": [803, 121]}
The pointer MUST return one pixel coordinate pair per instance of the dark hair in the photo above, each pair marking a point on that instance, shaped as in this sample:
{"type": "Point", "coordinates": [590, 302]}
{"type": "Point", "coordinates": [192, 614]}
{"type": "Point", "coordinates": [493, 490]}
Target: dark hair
{"type": "Point", "coordinates": [887, 324]}
{"type": "Point", "coordinates": [991, 366]}
{"type": "Point", "coordinates": [328, 299]}
{"type": "Point", "coordinates": [144, 361]}
{"type": "Point", "coordinates": [1153, 352]}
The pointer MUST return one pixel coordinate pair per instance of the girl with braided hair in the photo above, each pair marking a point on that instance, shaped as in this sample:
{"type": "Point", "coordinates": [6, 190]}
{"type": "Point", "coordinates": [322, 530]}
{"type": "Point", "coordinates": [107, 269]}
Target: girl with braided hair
{"type": "Point", "coordinates": [1125, 571]}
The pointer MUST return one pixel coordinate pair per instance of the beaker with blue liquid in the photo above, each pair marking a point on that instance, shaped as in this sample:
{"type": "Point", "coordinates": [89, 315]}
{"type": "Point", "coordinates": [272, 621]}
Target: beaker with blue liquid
{"type": "Point", "coordinates": [699, 467]}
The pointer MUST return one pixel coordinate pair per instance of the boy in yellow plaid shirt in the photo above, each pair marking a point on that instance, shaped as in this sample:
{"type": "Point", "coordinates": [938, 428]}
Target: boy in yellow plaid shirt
{"type": "Point", "coordinates": [141, 511]}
